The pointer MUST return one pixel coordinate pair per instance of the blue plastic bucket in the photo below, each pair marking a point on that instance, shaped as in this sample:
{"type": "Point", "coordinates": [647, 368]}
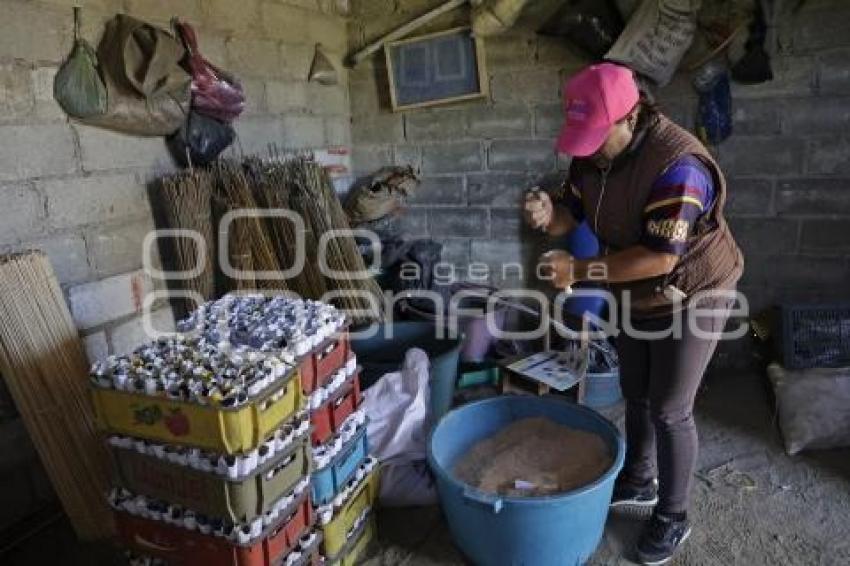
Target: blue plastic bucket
{"type": "Point", "coordinates": [384, 353]}
{"type": "Point", "coordinates": [602, 389]}
{"type": "Point", "coordinates": [495, 530]}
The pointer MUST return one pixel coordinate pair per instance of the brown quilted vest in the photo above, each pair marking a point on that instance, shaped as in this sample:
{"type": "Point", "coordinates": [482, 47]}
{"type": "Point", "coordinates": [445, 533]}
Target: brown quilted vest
{"type": "Point", "coordinates": [613, 204]}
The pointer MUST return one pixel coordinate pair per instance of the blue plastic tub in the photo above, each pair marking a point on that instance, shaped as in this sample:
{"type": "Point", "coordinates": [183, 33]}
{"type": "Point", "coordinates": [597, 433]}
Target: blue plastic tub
{"type": "Point", "coordinates": [384, 353]}
{"type": "Point", "coordinates": [328, 481]}
{"type": "Point", "coordinates": [602, 389]}
{"type": "Point", "coordinates": [495, 530]}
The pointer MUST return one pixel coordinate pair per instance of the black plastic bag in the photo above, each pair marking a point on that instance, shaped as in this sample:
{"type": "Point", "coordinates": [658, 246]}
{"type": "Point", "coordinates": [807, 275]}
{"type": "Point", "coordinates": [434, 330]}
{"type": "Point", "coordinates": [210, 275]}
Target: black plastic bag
{"type": "Point", "coordinates": [200, 140]}
{"type": "Point", "coordinates": [591, 25]}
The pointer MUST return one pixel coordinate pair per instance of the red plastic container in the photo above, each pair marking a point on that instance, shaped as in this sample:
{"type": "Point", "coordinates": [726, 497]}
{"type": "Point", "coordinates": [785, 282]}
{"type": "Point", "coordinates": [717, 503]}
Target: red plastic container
{"type": "Point", "coordinates": [183, 547]}
{"type": "Point", "coordinates": [327, 419]}
{"type": "Point", "coordinates": [318, 366]}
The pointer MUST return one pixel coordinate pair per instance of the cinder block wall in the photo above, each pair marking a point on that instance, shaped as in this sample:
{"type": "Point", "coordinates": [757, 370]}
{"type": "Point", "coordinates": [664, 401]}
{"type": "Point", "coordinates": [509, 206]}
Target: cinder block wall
{"type": "Point", "coordinates": [80, 193]}
{"type": "Point", "coordinates": [788, 161]}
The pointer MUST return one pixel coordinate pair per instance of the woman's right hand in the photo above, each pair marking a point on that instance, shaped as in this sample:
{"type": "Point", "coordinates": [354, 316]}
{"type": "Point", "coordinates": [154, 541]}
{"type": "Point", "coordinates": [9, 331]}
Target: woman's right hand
{"type": "Point", "coordinates": [538, 209]}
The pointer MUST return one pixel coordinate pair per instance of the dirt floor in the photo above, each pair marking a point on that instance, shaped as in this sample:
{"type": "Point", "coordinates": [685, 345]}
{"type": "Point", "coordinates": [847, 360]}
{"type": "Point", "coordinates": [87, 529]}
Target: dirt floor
{"type": "Point", "coordinates": [752, 504]}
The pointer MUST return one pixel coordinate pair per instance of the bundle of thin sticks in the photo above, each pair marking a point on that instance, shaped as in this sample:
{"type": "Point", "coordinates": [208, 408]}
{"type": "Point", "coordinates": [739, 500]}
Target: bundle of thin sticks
{"type": "Point", "coordinates": [314, 198]}
{"type": "Point", "coordinates": [249, 246]}
{"type": "Point", "coordinates": [46, 371]}
{"type": "Point", "coordinates": [187, 206]}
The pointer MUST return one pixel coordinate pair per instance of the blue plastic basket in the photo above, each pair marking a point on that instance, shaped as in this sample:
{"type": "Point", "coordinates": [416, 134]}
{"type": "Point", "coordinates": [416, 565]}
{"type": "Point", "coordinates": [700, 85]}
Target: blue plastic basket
{"type": "Point", "coordinates": [813, 335]}
{"type": "Point", "coordinates": [328, 481]}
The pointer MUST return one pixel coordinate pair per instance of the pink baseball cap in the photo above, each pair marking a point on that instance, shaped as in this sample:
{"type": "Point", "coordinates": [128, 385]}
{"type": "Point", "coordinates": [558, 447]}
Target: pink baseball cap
{"type": "Point", "coordinates": [594, 100]}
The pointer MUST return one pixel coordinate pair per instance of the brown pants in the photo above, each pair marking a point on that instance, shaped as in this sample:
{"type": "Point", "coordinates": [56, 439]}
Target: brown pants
{"type": "Point", "coordinates": [659, 379]}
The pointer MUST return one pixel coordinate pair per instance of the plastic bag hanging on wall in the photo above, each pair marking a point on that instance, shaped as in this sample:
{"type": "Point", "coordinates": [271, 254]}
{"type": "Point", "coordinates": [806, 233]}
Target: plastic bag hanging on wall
{"type": "Point", "coordinates": [322, 70]}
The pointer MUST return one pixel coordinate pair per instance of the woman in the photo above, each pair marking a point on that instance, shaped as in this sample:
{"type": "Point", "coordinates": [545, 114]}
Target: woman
{"type": "Point", "coordinates": [654, 197]}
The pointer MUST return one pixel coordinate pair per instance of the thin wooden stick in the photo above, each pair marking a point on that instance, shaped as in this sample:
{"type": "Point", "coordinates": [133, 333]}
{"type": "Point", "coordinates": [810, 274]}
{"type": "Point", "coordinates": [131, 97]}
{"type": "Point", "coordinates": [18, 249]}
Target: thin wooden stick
{"type": "Point", "coordinates": [46, 371]}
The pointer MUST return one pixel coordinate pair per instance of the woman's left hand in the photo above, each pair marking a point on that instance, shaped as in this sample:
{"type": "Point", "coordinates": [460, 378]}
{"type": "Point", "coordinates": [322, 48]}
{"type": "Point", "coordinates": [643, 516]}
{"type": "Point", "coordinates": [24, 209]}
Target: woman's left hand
{"type": "Point", "coordinates": [558, 267]}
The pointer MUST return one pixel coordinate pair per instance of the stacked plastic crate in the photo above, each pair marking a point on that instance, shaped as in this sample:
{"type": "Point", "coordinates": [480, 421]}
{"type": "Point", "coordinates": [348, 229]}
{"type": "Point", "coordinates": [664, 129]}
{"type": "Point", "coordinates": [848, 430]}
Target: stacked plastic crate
{"type": "Point", "coordinates": [345, 480]}
{"type": "Point", "coordinates": [211, 433]}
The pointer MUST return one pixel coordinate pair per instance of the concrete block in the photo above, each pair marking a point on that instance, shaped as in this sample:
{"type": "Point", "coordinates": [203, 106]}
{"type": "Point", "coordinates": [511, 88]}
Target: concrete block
{"type": "Point", "coordinates": [260, 58]}
{"type": "Point", "coordinates": [797, 272]}
{"type": "Point", "coordinates": [455, 251]}
{"type": "Point", "coordinates": [296, 60]}
{"type": "Point", "coordinates": [119, 249]}
{"type": "Point", "coordinates": [367, 98]}
{"type": "Point", "coordinates": [96, 346]}
{"type": "Point", "coordinates": [503, 190]}
{"type": "Point", "coordinates": [508, 224]}
{"type": "Point", "coordinates": [806, 196]}
{"type": "Point", "coordinates": [817, 115]}
{"type": "Point", "coordinates": [95, 199]}
{"type": "Point", "coordinates": [815, 29]}
{"type": "Point", "coordinates": [440, 190]}
{"type": "Point", "coordinates": [522, 155]}
{"type": "Point", "coordinates": [459, 222]}
{"type": "Point", "coordinates": [46, 108]}
{"type": "Point", "coordinates": [16, 92]}
{"type": "Point", "coordinates": [323, 99]}
{"type": "Point", "coordinates": [286, 96]}
{"type": "Point", "coordinates": [35, 32]}
{"type": "Point", "coordinates": [755, 117]}
{"type": "Point", "coordinates": [255, 97]}
{"type": "Point", "coordinates": [829, 156]}
{"type": "Point", "coordinates": [159, 10]}
{"type": "Point", "coordinates": [303, 131]}
{"type": "Point", "coordinates": [329, 30]}
{"type": "Point", "coordinates": [337, 130]}
{"type": "Point", "coordinates": [452, 157]}
{"type": "Point", "coordinates": [35, 151]}
{"type": "Point", "coordinates": [435, 125]}
{"type": "Point", "coordinates": [286, 22]}
{"type": "Point", "coordinates": [826, 235]}
{"type": "Point", "coordinates": [408, 155]}
{"type": "Point", "coordinates": [748, 196]}
{"type": "Point", "coordinates": [834, 72]}
{"type": "Point", "coordinates": [226, 15]}
{"type": "Point", "coordinates": [558, 53]}
{"type": "Point", "coordinates": [255, 134]}
{"type": "Point", "coordinates": [765, 236]}
{"type": "Point", "coordinates": [760, 155]}
{"type": "Point", "coordinates": [367, 159]}
{"type": "Point", "coordinates": [306, 4]}
{"type": "Point", "coordinates": [526, 86]}
{"type": "Point", "coordinates": [214, 48]}
{"type": "Point", "coordinates": [510, 51]}
{"type": "Point", "coordinates": [129, 335]}
{"type": "Point", "coordinates": [413, 222]}
{"type": "Point", "coordinates": [99, 302]}
{"type": "Point", "coordinates": [23, 212]}
{"type": "Point", "coordinates": [548, 120]}
{"type": "Point", "coordinates": [104, 150]}
{"type": "Point", "coordinates": [67, 253]}
{"type": "Point", "coordinates": [499, 121]}
{"type": "Point", "coordinates": [508, 261]}
{"type": "Point", "coordinates": [382, 128]}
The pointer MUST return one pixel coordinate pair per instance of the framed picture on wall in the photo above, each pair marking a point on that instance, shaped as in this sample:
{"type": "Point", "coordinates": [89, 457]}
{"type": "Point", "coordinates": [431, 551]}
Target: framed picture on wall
{"type": "Point", "coordinates": [437, 68]}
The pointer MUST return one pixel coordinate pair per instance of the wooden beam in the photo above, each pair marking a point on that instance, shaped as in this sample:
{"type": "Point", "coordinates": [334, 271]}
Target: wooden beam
{"type": "Point", "coordinates": [402, 31]}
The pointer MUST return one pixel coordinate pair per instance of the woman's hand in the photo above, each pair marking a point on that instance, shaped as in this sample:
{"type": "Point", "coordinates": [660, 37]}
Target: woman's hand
{"type": "Point", "coordinates": [558, 267]}
{"type": "Point", "coordinates": [538, 209]}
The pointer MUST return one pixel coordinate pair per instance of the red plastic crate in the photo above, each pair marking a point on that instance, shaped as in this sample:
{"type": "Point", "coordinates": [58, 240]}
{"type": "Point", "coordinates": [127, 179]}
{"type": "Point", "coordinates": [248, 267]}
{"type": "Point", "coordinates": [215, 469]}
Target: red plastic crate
{"type": "Point", "coordinates": [183, 547]}
{"type": "Point", "coordinates": [327, 419]}
{"type": "Point", "coordinates": [318, 366]}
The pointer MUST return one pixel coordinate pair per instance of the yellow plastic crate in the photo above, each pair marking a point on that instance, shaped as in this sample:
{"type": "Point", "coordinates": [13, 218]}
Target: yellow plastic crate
{"type": "Point", "coordinates": [335, 533]}
{"type": "Point", "coordinates": [357, 548]}
{"type": "Point", "coordinates": [222, 430]}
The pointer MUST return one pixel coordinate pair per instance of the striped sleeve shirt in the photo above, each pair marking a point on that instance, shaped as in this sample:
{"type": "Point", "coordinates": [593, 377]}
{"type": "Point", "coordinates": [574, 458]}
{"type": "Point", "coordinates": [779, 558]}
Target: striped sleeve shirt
{"type": "Point", "coordinates": [679, 197]}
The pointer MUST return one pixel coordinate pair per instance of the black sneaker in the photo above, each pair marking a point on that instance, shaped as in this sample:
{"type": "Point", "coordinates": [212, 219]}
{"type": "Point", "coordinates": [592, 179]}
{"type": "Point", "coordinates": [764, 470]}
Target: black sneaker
{"type": "Point", "coordinates": [662, 537]}
{"type": "Point", "coordinates": [632, 496]}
